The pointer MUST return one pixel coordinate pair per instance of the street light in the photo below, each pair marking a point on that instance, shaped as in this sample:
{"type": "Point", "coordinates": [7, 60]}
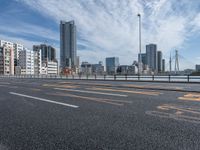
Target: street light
{"type": "Point", "coordinates": [140, 47]}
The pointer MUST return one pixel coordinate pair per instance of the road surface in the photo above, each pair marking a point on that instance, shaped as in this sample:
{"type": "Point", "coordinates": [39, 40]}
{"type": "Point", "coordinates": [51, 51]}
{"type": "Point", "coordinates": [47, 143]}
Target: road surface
{"type": "Point", "coordinates": [45, 114]}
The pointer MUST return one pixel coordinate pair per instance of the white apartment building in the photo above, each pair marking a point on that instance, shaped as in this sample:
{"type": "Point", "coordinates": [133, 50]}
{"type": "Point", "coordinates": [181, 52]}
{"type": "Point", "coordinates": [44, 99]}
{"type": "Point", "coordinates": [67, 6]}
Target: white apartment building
{"type": "Point", "coordinates": [52, 67]}
{"type": "Point", "coordinates": [37, 62]}
{"type": "Point", "coordinates": [49, 68]}
{"type": "Point", "coordinates": [17, 49]}
{"type": "Point", "coordinates": [26, 62]}
{"type": "Point", "coordinates": [6, 43]}
{"type": "Point", "coordinates": [6, 59]}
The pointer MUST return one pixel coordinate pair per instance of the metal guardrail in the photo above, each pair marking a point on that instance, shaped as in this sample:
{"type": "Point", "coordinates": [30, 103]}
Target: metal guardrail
{"type": "Point", "coordinates": [153, 78]}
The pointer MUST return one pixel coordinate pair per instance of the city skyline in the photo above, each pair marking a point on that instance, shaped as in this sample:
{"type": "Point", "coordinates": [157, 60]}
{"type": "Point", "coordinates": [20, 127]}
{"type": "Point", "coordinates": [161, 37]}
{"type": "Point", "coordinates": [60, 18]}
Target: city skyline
{"type": "Point", "coordinates": [114, 32]}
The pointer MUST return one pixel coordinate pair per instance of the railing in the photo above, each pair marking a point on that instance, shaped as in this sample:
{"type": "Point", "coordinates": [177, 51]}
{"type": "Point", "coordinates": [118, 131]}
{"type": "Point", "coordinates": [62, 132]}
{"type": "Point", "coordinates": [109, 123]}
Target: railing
{"type": "Point", "coordinates": [153, 78]}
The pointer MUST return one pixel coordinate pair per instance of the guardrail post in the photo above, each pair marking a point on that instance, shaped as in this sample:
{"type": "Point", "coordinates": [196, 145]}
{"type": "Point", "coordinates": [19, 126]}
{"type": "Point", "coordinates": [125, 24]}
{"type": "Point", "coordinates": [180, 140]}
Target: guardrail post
{"type": "Point", "coordinates": [104, 77]}
{"type": "Point", "coordinates": [73, 77]}
{"type": "Point", "coordinates": [125, 76]}
{"type": "Point", "coordinates": [169, 78]}
{"type": "Point", "coordinates": [95, 76]}
{"type": "Point", "coordinates": [115, 77]}
{"type": "Point", "coordinates": [188, 78]}
{"type": "Point", "coordinates": [152, 77]}
{"type": "Point", "coordinates": [138, 77]}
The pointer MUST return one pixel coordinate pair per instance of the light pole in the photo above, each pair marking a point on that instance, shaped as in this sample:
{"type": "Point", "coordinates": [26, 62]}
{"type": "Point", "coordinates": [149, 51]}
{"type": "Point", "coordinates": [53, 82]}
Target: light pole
{"type": "Point", "coordinates": [140, 47]}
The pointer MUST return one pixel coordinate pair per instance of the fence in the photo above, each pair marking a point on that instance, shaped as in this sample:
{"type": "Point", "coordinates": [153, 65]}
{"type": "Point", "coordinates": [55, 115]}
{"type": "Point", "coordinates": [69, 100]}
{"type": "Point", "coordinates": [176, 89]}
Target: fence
{"type": "Point", "coordinates": [153, 78]}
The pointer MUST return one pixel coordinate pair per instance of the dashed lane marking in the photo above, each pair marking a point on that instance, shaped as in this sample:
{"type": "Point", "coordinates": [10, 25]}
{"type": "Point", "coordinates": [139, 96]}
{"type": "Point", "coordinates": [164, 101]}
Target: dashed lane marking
{"type": "Point", "coordinates": [100, 100]}
{"type": "Point", "coordinates": [60, 86]}
{"type": "Point", "coordinates": [91, 92]}
{"type": "Point", "coordinates": [191, 97]}
{"type": "Point", "coordinates": [4, 83]}
{"type": "Point", "coordinates": [44, 100]}
{"type": "Point", "coordinates": [83, 83]}
{"type": "Point", "coordinates": [127, 91]}
{"type": "Point", "coordinates": [153, 86]}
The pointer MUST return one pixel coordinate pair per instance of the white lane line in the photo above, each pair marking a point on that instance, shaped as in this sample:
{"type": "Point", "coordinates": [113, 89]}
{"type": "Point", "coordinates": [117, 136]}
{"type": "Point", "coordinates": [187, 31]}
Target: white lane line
{"type": "Point", "coordinates": [91, 92]}
{"type": "Point", "coordinates": [4, 83]}
{"type": "Point", "coordinates": [45, 100]}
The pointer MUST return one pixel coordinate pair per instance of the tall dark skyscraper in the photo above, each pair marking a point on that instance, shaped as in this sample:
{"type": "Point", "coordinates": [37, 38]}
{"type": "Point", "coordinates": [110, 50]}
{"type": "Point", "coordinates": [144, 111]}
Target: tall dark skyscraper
{"type": "Point", "coordinates": [159, 61]}
{"type": "Point", "coordinates": [68, 56]}
{"type": "Point", "coordinates": [151, 56]}
{"type": "Point", "coordinates": [163, 65]}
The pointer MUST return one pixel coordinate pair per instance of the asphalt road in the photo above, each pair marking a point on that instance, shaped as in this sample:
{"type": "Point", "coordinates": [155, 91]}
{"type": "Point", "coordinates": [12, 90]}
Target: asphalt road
{"type": "Point", "coordinates": [95, 115]}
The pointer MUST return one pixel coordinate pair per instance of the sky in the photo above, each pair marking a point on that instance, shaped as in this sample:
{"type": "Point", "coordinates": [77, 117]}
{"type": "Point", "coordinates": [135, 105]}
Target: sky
{"type": "Point", "coordinates": [107, 28]}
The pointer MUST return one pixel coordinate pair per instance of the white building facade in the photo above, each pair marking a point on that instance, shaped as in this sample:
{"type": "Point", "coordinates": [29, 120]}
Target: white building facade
{"type": "Point", "coordinates": [26, 62]}
{"type": "Point", "coordinates": [6, 60]}
{"type": "Point", "coordinates": [17, 48]}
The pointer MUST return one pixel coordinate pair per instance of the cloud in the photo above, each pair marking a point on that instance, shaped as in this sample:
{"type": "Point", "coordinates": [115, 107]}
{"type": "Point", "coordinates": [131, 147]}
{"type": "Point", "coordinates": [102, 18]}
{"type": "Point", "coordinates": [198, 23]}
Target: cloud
{"type": "Point", "coordinates": [110, 28]}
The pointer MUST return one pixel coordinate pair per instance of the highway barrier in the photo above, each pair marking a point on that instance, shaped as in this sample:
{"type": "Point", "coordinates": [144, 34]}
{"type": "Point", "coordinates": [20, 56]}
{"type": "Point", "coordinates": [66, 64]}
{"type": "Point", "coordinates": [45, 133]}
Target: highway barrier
{"type": "Point", "coordinates": [144, 78]}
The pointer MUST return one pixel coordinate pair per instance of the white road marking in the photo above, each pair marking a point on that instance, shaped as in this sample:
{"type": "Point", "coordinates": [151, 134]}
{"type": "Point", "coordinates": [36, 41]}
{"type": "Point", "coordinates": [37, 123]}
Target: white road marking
{"type": "Point", "coordinates": [91, 92]}
{"type": "Point", "coordinates": [45, 100]}
{"type": "Point", "coordinates": [4, 83]}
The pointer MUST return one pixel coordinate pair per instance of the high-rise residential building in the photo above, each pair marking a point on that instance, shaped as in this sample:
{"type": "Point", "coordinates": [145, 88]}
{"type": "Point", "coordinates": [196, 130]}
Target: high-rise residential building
{"type": "Point", "coordinates": [68, 48]}
{"type": "Point", "coordinates": [48, 53]}
{"type": "Point", "coordinates": [6, 43]}
{"type": "Point", "coordinates": [151, 56]}
{"type": "Point", "coordinates": [163, 65]}
{"type": "Point", "coordinates": [26, 62]}
{"type": "Point", "coordinates": [159, 61]}
{"type": "Point", "coordinates": [37, 62]}
{"type": "Point", "coordinates": [6, 60]}
{"type": "Point", "coordinates": [17, 48]}
{"type": "Point", "coordinates": [197, 68]}
{"type": "Point", "coordinates": [45, 59]}
{"type": "Point", "coordinates": [112, 63]}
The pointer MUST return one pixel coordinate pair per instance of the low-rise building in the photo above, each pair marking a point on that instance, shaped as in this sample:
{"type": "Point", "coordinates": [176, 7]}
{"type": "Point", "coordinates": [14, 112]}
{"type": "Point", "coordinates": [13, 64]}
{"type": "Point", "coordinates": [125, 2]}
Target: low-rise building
{"type": "Point", "coordinates": [98, 69]}
{"type": "Point", "coordinates": [86, 68]}
{"type": "Point", "coordinates": [52, 68]}
{"type": "Point", "coordinates": [126, 70]}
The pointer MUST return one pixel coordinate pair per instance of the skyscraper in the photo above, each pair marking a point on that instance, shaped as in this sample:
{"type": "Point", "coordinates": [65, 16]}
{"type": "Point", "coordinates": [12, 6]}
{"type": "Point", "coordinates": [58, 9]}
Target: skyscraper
{"type": "Point", "coordinates": [112, 64]}
{"type": "Point", "coordinates": [151, 52]}
{"type": "Point", "coordinates": [68, 56]}
{"type": "Point", "coordinates": [163, 65]}
{"type": "Point", "coordinates": [159, 61]}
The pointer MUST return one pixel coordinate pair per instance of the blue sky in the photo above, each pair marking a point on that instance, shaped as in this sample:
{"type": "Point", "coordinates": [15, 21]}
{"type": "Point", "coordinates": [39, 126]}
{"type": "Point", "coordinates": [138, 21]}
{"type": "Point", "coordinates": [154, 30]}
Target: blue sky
{"type": "Point", "coordinates": [107, 27]}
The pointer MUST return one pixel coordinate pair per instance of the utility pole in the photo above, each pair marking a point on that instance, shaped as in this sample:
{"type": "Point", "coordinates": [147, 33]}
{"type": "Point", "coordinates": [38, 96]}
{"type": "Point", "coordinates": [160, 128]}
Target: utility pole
{"type": "Point", "coordinates": [140, 47]}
